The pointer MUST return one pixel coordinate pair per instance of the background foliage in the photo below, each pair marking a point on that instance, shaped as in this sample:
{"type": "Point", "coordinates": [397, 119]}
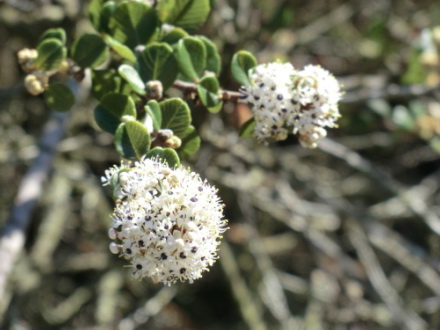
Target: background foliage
{"type": "Point", "coordinates": [343, 237]}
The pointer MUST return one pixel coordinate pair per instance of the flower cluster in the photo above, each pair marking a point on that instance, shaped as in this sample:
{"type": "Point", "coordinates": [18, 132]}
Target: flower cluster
{"type": "Point", "coordinates": [285, 100]}
{"type": "Point", "coordinates": [167, 222]}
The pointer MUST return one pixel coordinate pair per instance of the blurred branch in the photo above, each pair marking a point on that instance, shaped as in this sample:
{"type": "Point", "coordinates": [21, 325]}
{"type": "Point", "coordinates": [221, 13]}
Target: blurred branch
{"type": "Point", "coordinates": [23, 5]}
{"type": "Point", "coordinates": [251, 312]}
{"type": "Point", "coordinates": [390, 242]}
{"type": "Point", "coordinates": [408, 319]}
{"type": "Point", "coordinates": [271, 291]}
{"type": "Point", "coordinates": [390, 92]}
{"type": "Point", "coordinates": [411, 201]}
{"type": "Point", "coordinates": [151, 308]}
{"type": "Point", "coordinates": [324, 23]}
{"type": "Point", "coordinates": [13, 235]}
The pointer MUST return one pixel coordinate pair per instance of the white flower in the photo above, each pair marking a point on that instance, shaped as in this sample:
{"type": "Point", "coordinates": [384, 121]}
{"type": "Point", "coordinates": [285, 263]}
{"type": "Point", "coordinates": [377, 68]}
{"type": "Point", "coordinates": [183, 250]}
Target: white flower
{"type": "Point", "coordinates": [167, 222]}
{"type": "Point", "coordinates": [283, 99]}
{"type": "Point", "coordinates": [270, 98]}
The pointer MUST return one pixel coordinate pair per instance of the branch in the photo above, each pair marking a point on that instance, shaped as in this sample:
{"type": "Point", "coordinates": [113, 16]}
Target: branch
{"type": "Point", "coordinates": [13, 235]}
{"type": "Point", "coordinates": [188, 88]}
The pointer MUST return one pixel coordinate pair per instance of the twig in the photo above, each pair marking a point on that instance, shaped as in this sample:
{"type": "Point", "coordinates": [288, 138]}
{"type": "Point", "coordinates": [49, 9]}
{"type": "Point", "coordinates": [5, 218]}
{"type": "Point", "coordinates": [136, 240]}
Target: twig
{"type": "Point", "coordinates": [391, 92]}
{"type": "Point", "coordinates": [271, 290]}
{"type": "Point", "coordinates": [355, 160]}
{"type": "Point", "coordinates": [251, 312]}
{"type": "Point", "coordinates": [390, 242]}
{"type": "Point", "coordinates": [188, 88]}
{"type": "Point", "coordinates": [378, 279]}
{"type": "Point", "coordinates": [151, 308]}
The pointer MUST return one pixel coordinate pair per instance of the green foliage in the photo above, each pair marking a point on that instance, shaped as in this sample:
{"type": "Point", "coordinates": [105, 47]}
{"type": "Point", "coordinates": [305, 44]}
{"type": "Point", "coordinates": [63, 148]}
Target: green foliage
{"type": "Point", "coordinates": [94, 11]}
{"type": "Point", "coordinates": [133, 23]}
{"type": "Point", "coordinates": [89, 50]}
{"type": "Point", "coordinates": [154, 111]}
{"type": "Point", "coordinates": [120, 49]}
{"type": "Point", "coordinates": [113, 108]}
{"type": "Point", "coordinates": [55, 33]}
{"type": "Point", "coordinates": [213, 59]}
{"type": "Point", "coordinates": [157, 62]}
{"type": "Point", "coordinates": [105, 14]}
{"type": "Point", "coordinates": [191, 57]}
{"type": "Point", "coordinates": [242, 63]}
{"type": "Point", "coordinates": [132, 139]}
{"type": "Point", "coordinates": [208, 90]}
{"type": "Point", "coordinates": [174, 36]}
{"type": "Point", "coordinates": [188, 14]}
{"type": "Point", "coordinates": [176, 115]}
{"type": "Point", "coordinates": [247, 129]}
{"type": "Point", "coordinates": [132, 77]}
{"type": "Point", "coordinates": [51, 52]}
{"type": "Point", "coordinates": [107, 81]}
{"type": "Point", "coordinates": [166, 154]}
{"type": "Point", "coordinates": [59, 97]}
{"type": "Point", "coordinates": [190, 142]}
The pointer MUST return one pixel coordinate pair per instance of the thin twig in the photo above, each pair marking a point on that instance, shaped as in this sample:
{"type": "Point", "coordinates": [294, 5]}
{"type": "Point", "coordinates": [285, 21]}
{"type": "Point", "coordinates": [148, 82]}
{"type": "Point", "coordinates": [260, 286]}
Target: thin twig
{"type": "Point", "coordinates": [151, 308]}
{"type": "Point", "coordinates": [408, 319]}
{"type": "Point", "coordinates": [188, 88]}
{"type": "Point", "coordinates": [355, 160]}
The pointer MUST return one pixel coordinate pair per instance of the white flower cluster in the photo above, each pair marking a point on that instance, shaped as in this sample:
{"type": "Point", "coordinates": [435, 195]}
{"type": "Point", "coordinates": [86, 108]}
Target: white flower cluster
{"type": "Point", "coordinates": [284, 99]}
{"type": "Point", "coordinates": [167, 222]}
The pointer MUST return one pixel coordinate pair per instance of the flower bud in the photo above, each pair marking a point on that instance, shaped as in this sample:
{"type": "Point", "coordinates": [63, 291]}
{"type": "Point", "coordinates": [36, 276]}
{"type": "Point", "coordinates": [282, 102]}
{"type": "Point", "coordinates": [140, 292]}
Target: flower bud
{"type": "Point", "coordinates": [173, 142]}
{"type": "Point", "coordinates": [26, 57]}
{"type": "Point", "coordinates": [35, 84]}
{"type": "Point", "coordinates": [154, 89]}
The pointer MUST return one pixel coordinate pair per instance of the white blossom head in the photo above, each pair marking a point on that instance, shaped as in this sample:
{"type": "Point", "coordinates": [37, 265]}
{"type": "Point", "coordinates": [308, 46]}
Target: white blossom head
{"type": "Point", "coordinates": [167, 222]}
{"type": "Point", "coordinates": [317, 92]}
{"type": "Point", "coordinates": [285, 100]}
{"type": "Point", "coordinates": [270, 99]}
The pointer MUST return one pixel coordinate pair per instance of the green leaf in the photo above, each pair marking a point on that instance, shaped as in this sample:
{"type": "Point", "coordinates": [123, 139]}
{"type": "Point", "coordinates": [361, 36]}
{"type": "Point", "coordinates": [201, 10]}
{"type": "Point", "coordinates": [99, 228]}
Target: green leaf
{"type": "Point", "coordinates": [213, 60]}
{"type": "Point", "coordinates": [242, 63]}
{"type": "Point", "coordinates": [153, 110]}
{"type": "Point", "coordinates": [107, 11]}
{"type": "Point", "coordinates": [51, 53]}
{"type": "Point", "coordinates": [190, 142]}
{"type": "Point", "coordinates": [89, 51]}
{"type": "Point", "coordinates": [111, 110]}
{"type": "Point", "coordinates": [59, 97]}
{"type": "Point", "coordinates": [174, 36]}
{"type": "Point", "coordinates": [94, 11]}
{"type": "Point", "coordinates": [187, 14]}
{"type": "Point", "coordinates": [208, 89]}
{"type": "Point", "coordinates": [132, 140]}
{"type": "Point", "coordinates": [132, 77]}
{"type": "Point", "coordinates": [106, 81]}
{"type": "Point", "coordinates": [175, 115]}
{"type": "Point", "coordinates": [157, 62]}
{"type": "Point", "coordinates": [120, 49]}
{"type": "Point", "coordinates": [191, 57]}
{"type": "Point", "coordinates": [247, 129]}
{"type": "Point", "coordinates": [133, 23]}
{"type": "Point", "coordinates": [166, 154]}
{"type": "Point", "coordinates": [56, 33]}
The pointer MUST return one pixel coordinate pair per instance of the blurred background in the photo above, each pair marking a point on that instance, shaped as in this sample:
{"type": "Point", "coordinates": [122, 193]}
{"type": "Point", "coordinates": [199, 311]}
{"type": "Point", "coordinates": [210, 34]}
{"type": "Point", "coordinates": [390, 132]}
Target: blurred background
{"type": "Point", "coordinates": [345, 236]}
